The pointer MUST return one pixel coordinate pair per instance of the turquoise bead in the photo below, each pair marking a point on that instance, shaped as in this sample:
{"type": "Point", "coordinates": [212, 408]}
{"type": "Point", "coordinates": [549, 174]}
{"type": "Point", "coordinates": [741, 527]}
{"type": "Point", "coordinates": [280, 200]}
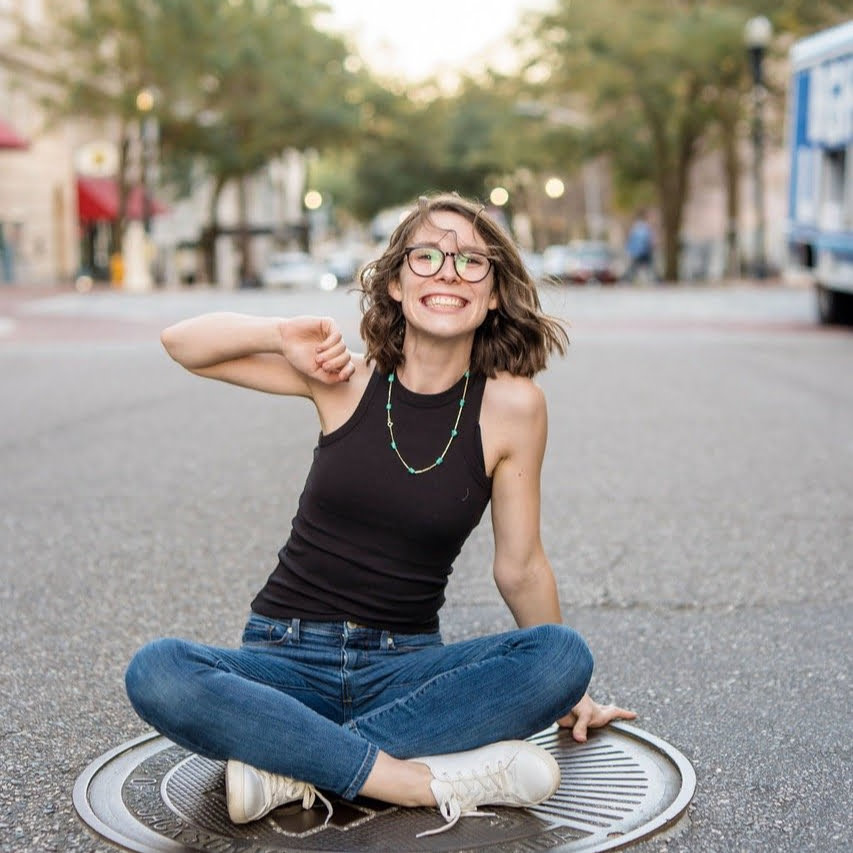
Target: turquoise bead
{"type": "Point", "coordinates": [411, 470]}
{"type": "Point", "coordinates": [439, 460]}
{"type": "Point", "coordinates": [454, 433]}
{"type": "Point", "coordinates": [393, 445]}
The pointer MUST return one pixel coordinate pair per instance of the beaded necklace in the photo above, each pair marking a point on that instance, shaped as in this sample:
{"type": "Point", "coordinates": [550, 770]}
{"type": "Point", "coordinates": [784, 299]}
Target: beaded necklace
{"type": "Point", "coordinates": [453, 432]}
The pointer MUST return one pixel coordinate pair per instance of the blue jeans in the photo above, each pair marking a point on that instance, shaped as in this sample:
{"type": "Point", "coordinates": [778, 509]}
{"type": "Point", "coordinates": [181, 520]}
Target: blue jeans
{"type": "Point", "coordinates": [318, 700]}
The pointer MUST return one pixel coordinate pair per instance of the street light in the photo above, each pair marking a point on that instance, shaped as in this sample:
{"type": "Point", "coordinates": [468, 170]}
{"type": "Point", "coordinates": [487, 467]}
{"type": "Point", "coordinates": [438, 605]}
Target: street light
{"type": "Point", "coordinates": [757, 34]}
{"type": "Point", "coordinates": [147, 139]}
{"type": "Point", "coordinates": [135, 243]}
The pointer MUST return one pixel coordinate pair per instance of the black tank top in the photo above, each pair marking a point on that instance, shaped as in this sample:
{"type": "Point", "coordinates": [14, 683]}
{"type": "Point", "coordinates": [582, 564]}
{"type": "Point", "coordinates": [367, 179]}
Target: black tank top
{"type": "Point", "coordinates": [371, 542]}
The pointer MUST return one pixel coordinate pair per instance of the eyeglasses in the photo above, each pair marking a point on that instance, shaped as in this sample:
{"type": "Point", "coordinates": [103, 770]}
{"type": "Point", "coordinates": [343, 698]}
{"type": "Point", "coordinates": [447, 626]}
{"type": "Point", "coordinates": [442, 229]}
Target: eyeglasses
{"type": "Point", "coordinates": [425, 261]}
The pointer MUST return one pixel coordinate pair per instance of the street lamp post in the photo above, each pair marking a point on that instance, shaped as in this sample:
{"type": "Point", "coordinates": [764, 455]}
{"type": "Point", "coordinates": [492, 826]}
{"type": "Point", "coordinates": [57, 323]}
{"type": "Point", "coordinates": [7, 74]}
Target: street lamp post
{"type": "Point", "coordinates": [136, 247]}
{"type": "Point", "coordinates": [147, 140]}
{"type": "Point", "coordinates": [757, 34]}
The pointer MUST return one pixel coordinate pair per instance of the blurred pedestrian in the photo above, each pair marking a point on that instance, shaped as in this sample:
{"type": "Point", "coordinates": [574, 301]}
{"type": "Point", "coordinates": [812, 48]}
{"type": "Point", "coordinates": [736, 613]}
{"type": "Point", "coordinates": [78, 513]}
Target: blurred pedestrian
{"type": "Point", "coordinates": [640, 248]}
{"type": "Point", "coordinates": [342, 682]}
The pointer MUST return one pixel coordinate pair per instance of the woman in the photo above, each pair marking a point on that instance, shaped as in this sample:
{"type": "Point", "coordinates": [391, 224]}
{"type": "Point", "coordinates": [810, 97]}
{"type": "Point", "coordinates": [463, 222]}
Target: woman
{"type": "Point", "coordinates": [342, 682]}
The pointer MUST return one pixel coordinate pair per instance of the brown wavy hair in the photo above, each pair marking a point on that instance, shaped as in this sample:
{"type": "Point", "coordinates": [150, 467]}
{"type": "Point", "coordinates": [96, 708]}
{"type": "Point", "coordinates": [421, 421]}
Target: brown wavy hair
{"type": "Point", "coordinates": [517, 336]}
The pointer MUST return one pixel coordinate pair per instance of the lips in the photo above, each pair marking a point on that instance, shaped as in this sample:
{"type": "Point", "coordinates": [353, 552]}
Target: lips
{"type": "Point", "coordinates": [443, 300]}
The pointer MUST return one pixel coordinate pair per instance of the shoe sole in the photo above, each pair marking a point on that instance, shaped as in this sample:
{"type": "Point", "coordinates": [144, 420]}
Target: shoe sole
{"type": "Point", "coordinates": [235, 802]}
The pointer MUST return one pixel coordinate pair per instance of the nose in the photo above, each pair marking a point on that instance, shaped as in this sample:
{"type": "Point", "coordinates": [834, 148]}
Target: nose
{"type": "Point", "coordinates": [447, 270]}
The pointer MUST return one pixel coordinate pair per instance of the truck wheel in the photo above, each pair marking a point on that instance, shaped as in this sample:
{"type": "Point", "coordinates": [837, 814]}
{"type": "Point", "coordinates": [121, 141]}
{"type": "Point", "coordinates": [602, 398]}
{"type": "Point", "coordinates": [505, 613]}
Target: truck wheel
{"type": "Point", "coordinates": [832, 306]}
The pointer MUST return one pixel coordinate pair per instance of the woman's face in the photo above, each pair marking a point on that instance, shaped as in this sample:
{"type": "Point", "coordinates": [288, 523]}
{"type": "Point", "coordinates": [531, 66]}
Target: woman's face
{"type": "Point", "coordinates": [443, 304]}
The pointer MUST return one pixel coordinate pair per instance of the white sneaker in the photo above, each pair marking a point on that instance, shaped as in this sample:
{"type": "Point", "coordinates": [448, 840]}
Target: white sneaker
{"type": "Point", "coordinates": [252, 793]}
{"type": "Point", "coordinates": [509, 773]}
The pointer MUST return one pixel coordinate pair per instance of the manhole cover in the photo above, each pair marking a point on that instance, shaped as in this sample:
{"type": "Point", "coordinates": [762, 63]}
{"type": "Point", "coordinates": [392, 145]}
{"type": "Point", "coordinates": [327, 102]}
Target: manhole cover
{"type": "Point", "coordinates": [149, 795]}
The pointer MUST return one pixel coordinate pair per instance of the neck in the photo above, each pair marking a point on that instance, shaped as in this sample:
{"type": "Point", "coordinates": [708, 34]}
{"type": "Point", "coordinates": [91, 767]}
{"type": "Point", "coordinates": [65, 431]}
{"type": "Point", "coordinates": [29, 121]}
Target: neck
{"type": "Point", "coordinates": [431, 370]}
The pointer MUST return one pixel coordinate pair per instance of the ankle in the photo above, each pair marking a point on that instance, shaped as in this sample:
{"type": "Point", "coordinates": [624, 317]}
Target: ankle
{"type": "Point", "coordinates": [404, 783]}
{"type": "Point", "coordinates": [421, 789]}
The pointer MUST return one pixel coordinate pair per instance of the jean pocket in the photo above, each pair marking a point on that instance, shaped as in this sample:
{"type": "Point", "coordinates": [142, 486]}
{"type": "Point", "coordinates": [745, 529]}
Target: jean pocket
{"type": "Point", "coordinates": [261, 631]}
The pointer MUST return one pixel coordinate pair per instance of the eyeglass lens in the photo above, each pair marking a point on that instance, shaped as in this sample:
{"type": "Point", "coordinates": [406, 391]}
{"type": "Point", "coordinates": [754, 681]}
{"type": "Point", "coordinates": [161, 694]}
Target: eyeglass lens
{"type": "Point", "coordinates": [427, 260]}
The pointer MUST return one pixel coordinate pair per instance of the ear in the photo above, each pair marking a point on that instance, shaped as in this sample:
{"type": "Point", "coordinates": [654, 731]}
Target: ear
{"type": "Point", "coordinates": [394, 290]}
{"type": "Point", "coordinates": [493, 299]}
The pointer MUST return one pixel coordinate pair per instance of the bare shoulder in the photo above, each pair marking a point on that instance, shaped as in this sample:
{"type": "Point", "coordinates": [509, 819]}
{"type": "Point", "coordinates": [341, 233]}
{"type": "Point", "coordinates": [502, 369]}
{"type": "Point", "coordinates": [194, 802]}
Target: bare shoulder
{"type": "Point", "coordinates": [513, 417]}
{"type": "Point", "coordinates": [513, 397]}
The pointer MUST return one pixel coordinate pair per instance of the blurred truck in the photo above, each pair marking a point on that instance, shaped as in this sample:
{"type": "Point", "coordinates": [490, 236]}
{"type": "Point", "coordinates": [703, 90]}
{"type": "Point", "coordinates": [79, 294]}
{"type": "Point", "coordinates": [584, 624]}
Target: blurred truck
{"type": "Point", "coordinates": [820, 208]}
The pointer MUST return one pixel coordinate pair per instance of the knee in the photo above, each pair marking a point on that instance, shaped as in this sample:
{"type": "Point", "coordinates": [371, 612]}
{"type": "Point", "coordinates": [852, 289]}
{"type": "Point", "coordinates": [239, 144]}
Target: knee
{"type": "Point", "coordinates": [154, 676]}
{"type": "Point", "coordinates": [563, 650]}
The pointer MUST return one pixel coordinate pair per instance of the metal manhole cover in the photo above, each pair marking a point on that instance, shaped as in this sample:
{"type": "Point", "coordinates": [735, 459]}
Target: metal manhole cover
{"type": "Point", "coordinates": [151, 796]}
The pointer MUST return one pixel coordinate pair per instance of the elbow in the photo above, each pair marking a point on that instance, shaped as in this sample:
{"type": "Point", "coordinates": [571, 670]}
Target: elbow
{"type": "Point", "coordinates": [518, 582]}
{"type": "Point", "coordinates": [175, 343]}
{"type": "Point", "coordinates": [169, 340]}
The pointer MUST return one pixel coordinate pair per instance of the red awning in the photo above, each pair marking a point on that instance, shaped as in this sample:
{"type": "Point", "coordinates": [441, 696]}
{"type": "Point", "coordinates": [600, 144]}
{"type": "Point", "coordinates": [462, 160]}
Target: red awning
{"type": "Point", "coordinates": [97, 201]}
{"type": "Point", "coordinates": [9, 138]}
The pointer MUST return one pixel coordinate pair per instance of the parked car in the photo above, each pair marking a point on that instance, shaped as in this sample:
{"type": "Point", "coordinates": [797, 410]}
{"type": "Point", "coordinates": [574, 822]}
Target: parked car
{"type": "Point", "coordinates": [534, 263]}
{"type": "Point", "coordinates": [582, 262]}
{"type": "Point", "coordinates": [297, 269]}
{"type": "Point", "coordinates": [344, 262]}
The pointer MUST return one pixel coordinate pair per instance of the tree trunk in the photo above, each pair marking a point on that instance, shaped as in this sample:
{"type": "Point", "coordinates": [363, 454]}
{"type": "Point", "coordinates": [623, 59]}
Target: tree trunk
{"type": "Point", "coordinates": [247, 268]}
{"type": "Point", "coordinates": [673, 179]}
{"type": "Point", "coordinates": [671, 208]}
{"type": "Point", "coordinates": [731, 171]}
{"type": "Point", "coordinates": [207, 240]}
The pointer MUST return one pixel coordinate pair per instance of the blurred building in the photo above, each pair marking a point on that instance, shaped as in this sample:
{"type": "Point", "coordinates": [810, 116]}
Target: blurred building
{"type": "Point", "coordinates": [38, 216]}
{"type": "Point", "coordinates": [60, 197]}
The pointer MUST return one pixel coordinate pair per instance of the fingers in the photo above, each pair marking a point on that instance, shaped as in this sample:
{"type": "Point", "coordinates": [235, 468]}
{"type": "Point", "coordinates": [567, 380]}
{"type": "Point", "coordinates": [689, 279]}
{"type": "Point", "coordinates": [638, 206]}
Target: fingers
{"type": "Point", "coordinates": [333, 355]}
{"type": "Point", "coordinates": [592, 715]}
{"type": "Point", "coordinates": [623, 714]}
{"type": "Point", "coordinates": [332, 339]}
{"type": "Point", "coordinates": [568, 721]}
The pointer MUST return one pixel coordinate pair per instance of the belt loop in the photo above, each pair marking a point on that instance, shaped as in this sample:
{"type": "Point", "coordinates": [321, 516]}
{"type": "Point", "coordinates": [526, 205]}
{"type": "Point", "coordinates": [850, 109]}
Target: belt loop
{"type": "Point", "coordinates": [293, 631]}
{"type": "Point", "coordinates": [386, 640]}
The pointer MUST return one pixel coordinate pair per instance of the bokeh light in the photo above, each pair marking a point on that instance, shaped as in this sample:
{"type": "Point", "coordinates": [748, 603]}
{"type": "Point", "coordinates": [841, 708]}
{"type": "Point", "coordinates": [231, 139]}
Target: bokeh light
{"type": "Point", "coordinates": [499, 196]}
{"type": "Point", "coordinates": [313, 200]}
{"type": "Point", "coordinates": [554, 188]}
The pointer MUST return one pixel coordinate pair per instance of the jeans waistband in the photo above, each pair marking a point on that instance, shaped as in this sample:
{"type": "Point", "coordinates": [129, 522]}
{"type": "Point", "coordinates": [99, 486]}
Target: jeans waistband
{"type": "Point", "coordinates": [347, 632]}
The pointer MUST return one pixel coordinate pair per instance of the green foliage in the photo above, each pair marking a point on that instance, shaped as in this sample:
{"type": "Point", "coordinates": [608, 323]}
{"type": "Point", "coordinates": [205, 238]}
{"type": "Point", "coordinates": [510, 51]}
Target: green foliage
{"type": "Point", "coordinates": [234, 82]}
{"type": "Point", "coordinates": [464, 143]}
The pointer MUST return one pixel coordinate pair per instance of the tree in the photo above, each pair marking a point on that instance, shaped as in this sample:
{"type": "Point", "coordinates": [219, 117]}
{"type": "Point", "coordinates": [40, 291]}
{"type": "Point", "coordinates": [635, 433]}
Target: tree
{"type": "Point", "coordinates": [280, 84]}
{"type": "Point", "coordinates": [235, 82]}
{"type": "Point", "coordinates": [662, 80]}
{"type": "Point", "coordinates": [648, 73]}
{"type": "Point", "coordinates": [426, 141]}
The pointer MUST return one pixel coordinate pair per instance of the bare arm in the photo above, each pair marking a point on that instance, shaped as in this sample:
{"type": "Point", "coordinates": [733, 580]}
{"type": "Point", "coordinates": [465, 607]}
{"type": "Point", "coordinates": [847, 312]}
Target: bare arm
{"type": "Point", "coordinates": [273, 354]}
{"type": "Point", "coordinates": [522, 571]}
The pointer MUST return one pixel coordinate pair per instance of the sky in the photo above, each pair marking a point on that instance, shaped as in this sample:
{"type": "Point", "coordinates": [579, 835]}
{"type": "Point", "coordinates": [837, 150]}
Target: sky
{"type": "Point", "coordinates": [416, 40]}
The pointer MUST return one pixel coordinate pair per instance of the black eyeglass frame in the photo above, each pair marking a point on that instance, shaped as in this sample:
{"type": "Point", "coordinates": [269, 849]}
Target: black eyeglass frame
{"type": "Point", "coordinates": [489, 262]}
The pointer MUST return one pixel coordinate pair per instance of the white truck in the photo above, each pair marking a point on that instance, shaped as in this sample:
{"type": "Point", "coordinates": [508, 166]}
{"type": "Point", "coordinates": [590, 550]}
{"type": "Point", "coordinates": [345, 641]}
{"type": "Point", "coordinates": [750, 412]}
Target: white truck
{"type": "Point", "coordinates": [820, 207]}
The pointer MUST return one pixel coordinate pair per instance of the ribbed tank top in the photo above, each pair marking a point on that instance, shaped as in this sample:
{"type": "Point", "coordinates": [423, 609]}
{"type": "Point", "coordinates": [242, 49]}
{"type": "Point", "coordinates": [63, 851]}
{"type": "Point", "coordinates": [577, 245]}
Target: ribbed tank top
{"type": "Point", "coordinates": [371, 542]}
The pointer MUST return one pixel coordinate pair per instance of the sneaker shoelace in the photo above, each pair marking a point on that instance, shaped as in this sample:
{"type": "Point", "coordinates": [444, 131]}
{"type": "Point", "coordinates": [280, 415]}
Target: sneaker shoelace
{"type": "Point", "coordinates": [292, 789]}
{"type": "Point", "coordinates": [458, 796]}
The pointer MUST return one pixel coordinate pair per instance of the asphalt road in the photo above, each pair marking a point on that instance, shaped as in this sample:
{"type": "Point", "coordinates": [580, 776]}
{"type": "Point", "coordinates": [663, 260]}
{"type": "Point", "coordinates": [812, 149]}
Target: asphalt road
{"type": "Point", "coordinates": [698, 511]}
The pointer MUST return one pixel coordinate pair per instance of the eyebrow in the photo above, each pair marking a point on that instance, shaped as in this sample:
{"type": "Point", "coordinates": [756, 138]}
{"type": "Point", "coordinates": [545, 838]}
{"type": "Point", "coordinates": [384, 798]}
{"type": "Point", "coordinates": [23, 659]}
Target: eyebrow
{"type": "Point", "coordinates": [465, 248]}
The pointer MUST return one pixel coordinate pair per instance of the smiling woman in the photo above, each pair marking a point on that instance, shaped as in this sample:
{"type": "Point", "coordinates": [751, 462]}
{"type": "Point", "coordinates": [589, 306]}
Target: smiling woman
{"type": "Point", "coordinates": [342, 682]}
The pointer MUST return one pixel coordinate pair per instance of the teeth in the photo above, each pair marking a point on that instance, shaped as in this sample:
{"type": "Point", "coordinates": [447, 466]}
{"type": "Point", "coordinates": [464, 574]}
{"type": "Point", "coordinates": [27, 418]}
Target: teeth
{"type": "Point", "coordinates": [449, 301]}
